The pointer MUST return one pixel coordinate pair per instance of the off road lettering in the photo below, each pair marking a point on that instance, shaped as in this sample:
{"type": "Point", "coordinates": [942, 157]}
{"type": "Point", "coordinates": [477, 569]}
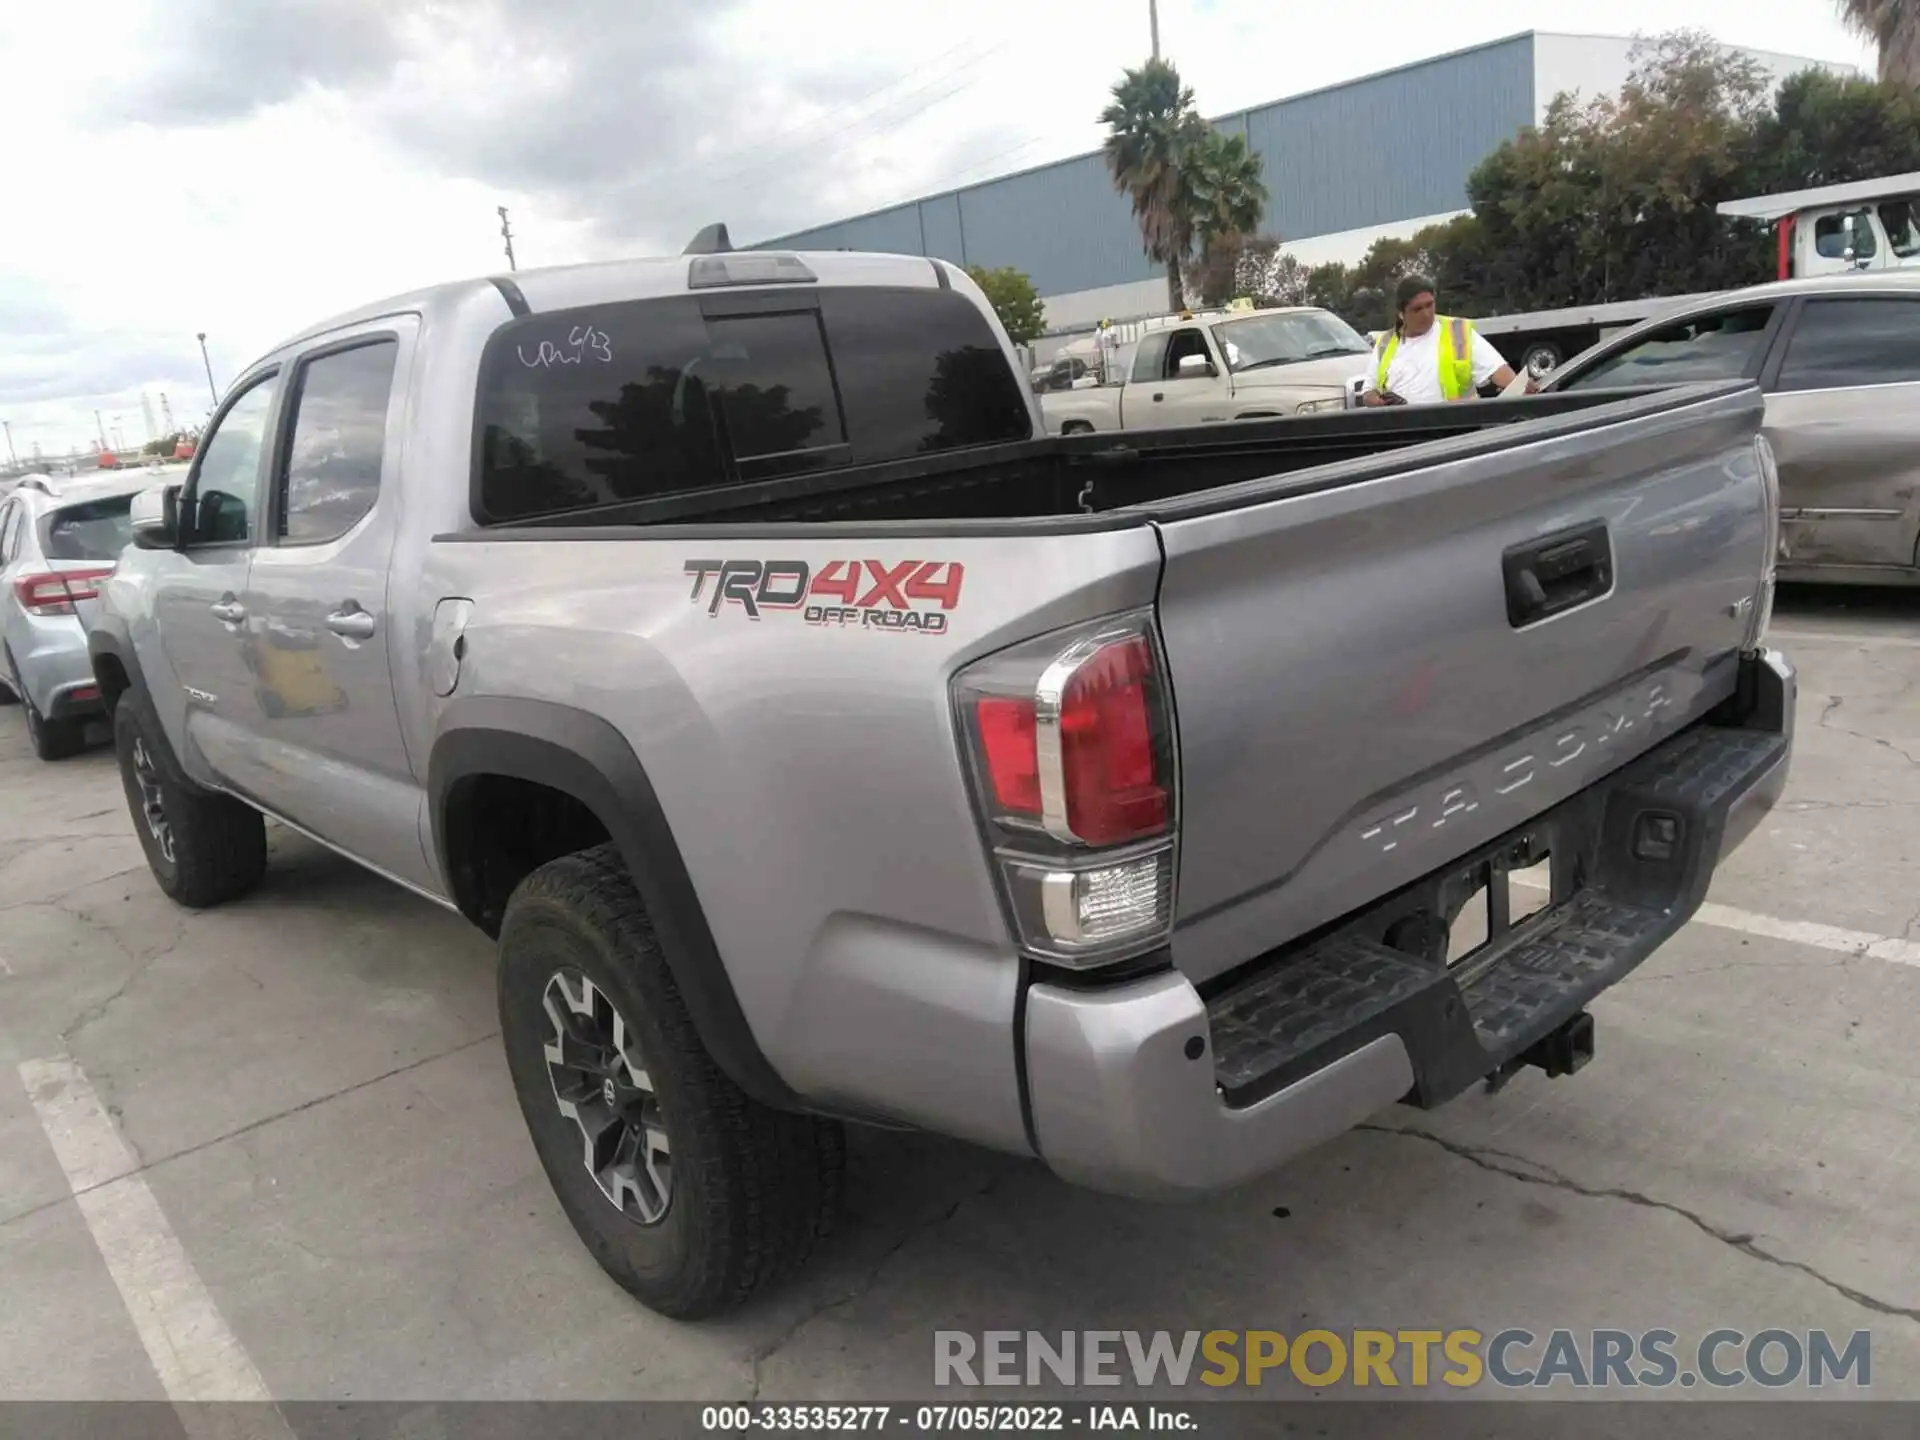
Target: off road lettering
{"type": "Point", "coordinates": [906, 596]}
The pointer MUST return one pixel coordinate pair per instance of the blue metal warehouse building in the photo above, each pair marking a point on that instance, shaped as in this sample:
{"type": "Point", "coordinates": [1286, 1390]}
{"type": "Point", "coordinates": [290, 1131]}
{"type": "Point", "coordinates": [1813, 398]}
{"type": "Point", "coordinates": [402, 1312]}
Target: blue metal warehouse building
{"type": "Point", "coordinates": [1344, 166]}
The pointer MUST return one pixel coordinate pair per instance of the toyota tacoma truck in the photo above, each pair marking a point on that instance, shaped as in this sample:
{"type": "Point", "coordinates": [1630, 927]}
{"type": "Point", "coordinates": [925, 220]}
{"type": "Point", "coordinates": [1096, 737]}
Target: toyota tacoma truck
{"type": "Point", "coordinates": [822, 741]}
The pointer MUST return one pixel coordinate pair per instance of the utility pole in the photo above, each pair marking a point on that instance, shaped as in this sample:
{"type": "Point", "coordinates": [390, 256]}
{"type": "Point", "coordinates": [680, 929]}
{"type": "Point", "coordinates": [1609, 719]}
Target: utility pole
{"type": "Point", "coordinates": [506, 234]}
{"type": "Point", "coordinates": [1153, 19]}
{"type": "Point", "coordinates": [11, 453]}
{"type": "Point", "coordinates": [212, 389]}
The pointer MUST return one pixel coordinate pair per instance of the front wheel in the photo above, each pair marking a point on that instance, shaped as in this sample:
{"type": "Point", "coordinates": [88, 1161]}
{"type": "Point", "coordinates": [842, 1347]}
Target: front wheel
{"type": "Point", "coordinates": [203, 848]}
{"type": "Point", "coordinates": [1541, 360]}
{"type": "Point", "coordinates": [687, 1192]}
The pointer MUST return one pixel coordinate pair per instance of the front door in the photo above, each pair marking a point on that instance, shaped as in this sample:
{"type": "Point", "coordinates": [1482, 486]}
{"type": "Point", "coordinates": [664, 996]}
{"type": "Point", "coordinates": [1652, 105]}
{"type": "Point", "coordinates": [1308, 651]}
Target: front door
{"type": "Point", "coordinates": [1193, 387]}
{"type": "Point", "coordinates": [329, 754]}
{"type": "Point", "coordinates": [1843, 416]}
{"type": "Point", "coordinates": [200, 599]}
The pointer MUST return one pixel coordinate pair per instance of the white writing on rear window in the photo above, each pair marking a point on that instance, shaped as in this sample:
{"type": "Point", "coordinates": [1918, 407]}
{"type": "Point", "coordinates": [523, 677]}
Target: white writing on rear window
{"type": "Point", "coordinates": [583, 343]}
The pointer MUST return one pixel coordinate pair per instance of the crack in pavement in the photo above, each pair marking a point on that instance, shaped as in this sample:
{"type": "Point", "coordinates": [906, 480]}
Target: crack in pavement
{"type": "Point", "coordinates": [864, 1286]}
{"type": "Point", "coordinates": [1746, 1244]}
{"type": "Point", "coordinates": [1833, 704]}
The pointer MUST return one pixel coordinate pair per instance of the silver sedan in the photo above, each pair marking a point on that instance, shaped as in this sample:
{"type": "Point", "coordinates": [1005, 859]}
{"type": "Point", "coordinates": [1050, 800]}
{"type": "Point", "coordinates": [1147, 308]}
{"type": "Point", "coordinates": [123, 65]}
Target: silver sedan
{"type": "Point", "coordinates": [59, 540]}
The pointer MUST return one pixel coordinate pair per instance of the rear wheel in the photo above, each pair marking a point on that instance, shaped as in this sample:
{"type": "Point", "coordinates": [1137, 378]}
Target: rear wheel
{"type": "Point", "coordinates": [688, 1193]}
{"type": "Point", "coordinates": [203, 848]}
{"type": "Point", "coordinates": [51, 739]}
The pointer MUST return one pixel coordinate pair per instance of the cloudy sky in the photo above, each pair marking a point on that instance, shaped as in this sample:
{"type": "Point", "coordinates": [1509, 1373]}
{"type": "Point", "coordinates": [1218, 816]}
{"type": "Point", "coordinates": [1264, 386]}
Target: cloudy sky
{"type": "Point", "coordinates": [245, 167]}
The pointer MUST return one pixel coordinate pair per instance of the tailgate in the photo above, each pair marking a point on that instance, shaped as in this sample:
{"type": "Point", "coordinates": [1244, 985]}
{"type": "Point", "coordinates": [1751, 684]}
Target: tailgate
{"type": "Point", "coordinates": [1380, 666]}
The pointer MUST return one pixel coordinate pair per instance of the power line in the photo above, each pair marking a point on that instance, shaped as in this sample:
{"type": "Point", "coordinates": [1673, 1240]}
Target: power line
{"type": "Point", "coordinates": [929, 189]}
{"type": "Point", "coordinates": [817, 155]}
{"type": "Point", "coordinates": [775, 161]}
{"type": "Point", "coordinates": [739, 152]}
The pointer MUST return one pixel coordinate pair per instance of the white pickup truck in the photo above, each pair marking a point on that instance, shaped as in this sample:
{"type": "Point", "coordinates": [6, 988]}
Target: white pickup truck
{"type": "Point", "coordinates": [1238, 365]}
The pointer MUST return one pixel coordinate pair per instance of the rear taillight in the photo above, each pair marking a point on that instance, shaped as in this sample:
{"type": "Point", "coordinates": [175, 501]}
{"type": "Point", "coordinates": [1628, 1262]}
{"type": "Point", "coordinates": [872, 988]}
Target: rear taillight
{"type": "Point", "coordinates": [56, 592]}
{"type": "Point", "coordinates": [1070, 740]}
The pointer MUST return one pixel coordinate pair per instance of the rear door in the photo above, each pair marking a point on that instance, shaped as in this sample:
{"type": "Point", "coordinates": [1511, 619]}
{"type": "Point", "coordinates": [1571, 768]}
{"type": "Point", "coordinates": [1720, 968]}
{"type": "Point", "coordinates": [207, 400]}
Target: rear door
{"type": "Point", "coordinates": [199, 595]}
{"type": "Point", "coordinates": [1359, 700]}
{"type": "Point", "coordinates": [325, 748]}
{"type": "Point", "coordinates": [1843, 413]}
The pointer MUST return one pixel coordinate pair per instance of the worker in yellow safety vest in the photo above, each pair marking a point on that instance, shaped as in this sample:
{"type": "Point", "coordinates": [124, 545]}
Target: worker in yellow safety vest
{"type": "Point", "coordinates": [1427, 357]}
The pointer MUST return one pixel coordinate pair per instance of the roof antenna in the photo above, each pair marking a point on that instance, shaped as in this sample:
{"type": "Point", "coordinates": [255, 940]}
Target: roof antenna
{"type": "Point", "coordinates": [710, 241]}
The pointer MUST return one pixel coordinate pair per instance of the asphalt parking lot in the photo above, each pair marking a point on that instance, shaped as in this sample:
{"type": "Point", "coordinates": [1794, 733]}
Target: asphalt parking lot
{"type": "Point", "coordinates": [309, 1085]}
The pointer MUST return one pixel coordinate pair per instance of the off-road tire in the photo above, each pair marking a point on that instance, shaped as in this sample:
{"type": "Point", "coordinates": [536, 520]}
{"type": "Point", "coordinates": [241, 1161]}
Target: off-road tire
{"type": "Point", "coordinates": [754, 1190]}
{"type": "Point", "coordinates": [219, 845]}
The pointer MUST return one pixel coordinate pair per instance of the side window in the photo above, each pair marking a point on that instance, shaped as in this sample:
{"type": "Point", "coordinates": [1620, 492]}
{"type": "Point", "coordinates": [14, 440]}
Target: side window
{"type": "Point", "coordinates": [1861, 341]}
{"type": "Point", "coordinates": [1722, 346]}
{"type": "Point", "coordinates": [226, 487]}
{"type": "Point", "coordinates": [339, 435]}
{"type": "Point", "coordinates": [1902, 225]}
{"type": "Point", "coordinates": [1146, 360]}
{"type": "Point", "coordinates": [1830, 235]}
{"type": "Point", "coordinates": [1184, 343]}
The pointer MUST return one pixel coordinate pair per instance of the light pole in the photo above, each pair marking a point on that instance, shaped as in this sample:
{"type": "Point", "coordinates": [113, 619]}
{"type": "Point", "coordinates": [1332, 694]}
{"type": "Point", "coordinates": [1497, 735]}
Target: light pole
{"type": "Point", "coordinates": [1153, 19]}
{"type": "Point", "coordinates": [12, 454]}
{"type": "Point", "coordinates": [212, 389]}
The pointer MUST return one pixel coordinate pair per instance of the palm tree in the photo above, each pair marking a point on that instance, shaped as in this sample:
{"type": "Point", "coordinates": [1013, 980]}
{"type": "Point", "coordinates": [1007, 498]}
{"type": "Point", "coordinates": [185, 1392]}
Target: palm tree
{"type": "Point", "coordinates": [1226, 194]}
{"type": "Point", "coordinates": [1152, 130]}
{"type": "Point", "coordinates": [1893, 26]}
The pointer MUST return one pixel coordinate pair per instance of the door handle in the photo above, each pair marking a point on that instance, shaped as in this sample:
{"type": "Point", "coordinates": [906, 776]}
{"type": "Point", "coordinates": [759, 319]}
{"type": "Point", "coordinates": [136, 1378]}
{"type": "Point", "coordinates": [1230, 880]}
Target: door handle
{"type": "Point", "coordinates": [351, 622]}
{"type": "Point", "coordinates": [229, 612]}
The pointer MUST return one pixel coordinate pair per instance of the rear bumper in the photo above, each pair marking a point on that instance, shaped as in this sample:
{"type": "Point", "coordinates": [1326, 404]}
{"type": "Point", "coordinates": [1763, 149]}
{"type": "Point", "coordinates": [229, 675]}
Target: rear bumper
{"type": "Point", "coordinates": [1150, 1088]}
{"type": "Point", "coordinates": [55, 668]}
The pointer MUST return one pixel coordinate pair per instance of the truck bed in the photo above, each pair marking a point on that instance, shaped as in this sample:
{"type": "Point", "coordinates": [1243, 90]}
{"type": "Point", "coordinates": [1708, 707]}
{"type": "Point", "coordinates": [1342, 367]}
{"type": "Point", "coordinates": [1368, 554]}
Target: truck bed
{"type": "Point", "coordinates": [1077, 476]}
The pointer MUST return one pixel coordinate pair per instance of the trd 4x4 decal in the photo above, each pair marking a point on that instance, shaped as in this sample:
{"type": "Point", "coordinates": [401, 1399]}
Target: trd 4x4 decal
{"type": "Point", "coordinates": [910, 595]}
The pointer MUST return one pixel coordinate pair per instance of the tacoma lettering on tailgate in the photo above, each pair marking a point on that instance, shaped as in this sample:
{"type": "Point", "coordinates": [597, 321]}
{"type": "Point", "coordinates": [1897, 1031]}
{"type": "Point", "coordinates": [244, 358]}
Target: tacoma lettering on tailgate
{"type": "Point", "coordinates": [1584, 744]}
{"type": "Point", "coordinates": [870, 594]}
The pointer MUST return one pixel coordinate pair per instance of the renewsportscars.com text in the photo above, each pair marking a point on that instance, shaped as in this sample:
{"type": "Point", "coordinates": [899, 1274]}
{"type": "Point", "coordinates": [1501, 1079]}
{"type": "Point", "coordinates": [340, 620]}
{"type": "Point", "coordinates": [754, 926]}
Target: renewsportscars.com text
{"type": "Point", "coordinates": [1462, 1358]}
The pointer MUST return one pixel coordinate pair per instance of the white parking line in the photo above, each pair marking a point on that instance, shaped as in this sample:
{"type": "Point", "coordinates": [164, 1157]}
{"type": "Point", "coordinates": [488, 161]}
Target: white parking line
{"type": "Point", "coordinates": [1866, 640]}
{"type": "Point", "coordinates": [1799, 932]}
{"type": "Point", "coordinates": [197, 1358]}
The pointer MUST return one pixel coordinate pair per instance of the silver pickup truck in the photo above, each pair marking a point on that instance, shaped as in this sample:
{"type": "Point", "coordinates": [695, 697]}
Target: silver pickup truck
{"type": "Point", "coordinates": [822, 741]}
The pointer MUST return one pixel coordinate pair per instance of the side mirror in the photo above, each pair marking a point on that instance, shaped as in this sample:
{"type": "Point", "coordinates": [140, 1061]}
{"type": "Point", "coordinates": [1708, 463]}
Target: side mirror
{"type": "Point", "coordinates": [155, 517]}
{"type": "Point", "coordinates": [1193, 366]}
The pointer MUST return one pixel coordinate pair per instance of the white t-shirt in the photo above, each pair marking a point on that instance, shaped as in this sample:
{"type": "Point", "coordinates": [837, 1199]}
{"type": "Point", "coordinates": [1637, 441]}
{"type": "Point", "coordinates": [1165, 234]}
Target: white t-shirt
{"type": "Point", "coordinates": [1414, 374]}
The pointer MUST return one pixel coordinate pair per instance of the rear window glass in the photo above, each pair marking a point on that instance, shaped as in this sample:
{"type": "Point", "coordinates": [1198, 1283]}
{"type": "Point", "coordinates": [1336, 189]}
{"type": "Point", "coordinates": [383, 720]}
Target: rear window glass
{"type": "Point", "coordinates": [654, 398]}
{"type": "Point", "coordinates": [96, 530]}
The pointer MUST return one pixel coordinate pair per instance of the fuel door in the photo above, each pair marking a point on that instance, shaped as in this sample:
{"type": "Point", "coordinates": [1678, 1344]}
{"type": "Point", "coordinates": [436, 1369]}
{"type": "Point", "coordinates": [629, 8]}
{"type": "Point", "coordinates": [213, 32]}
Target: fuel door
{"type": "Point", "coordinates": [448, 647]}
